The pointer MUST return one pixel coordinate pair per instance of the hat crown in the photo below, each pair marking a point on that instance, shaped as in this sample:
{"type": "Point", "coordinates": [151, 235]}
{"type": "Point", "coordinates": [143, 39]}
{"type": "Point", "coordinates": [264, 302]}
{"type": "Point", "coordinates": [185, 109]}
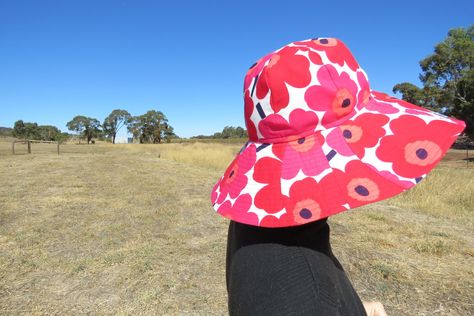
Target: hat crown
{"type": "Point", "coordinates": [302, 88]}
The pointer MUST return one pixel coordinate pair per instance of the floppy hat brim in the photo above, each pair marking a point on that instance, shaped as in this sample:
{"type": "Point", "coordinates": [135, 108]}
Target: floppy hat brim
{"type": "Point", "coordinates": [384, 148]}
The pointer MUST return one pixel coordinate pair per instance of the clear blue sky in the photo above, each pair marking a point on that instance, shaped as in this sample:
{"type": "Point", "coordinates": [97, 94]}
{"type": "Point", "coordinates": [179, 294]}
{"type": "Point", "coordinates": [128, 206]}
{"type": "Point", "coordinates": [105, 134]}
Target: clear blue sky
{"type": "Point", "coordinates": [187, 58]}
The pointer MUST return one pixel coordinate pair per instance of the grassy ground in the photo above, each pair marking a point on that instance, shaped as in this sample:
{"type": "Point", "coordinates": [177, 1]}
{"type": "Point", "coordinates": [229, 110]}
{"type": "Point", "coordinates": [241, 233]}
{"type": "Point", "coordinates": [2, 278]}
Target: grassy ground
{"type": "Point", "coordinates": [128, 229]}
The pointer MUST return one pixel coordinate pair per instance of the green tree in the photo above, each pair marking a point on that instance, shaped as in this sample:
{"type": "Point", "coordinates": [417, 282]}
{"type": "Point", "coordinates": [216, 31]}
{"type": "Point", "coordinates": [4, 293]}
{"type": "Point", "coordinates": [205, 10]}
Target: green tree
{"type": "Point", "coordinates": [448, 78]}
{"type": "Point", "coordinates": [49, 132]}
{"type": "Point", "coordinates": [411, 93]}
{"type": "Point", "coordinates": [26, 130]}
{"type": "Point", "coordinates": [19, 130]}
{"type": "Point", "coordinates": [444, 71]}
{"type": "Point", "coordinates": [151, 127]}
{"type": "Point", "coordinates": [114, 122]}
{"type": "Point", "coordinates": [168, 133]}
{"type": "Point", "coordinates": [240, 132]}
{"type": "Point", "coordinates": [227, 132]}
{"type": "Point", "coordinates": [86, 127]}
{"type": "Point", "coordinates": [32, 131]}
{"type": "Point", "coordinates": [64, 136]}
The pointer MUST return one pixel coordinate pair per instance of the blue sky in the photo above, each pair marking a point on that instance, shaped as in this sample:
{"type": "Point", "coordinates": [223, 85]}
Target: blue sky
{"type": "Point", "coordinates": [188, 58]}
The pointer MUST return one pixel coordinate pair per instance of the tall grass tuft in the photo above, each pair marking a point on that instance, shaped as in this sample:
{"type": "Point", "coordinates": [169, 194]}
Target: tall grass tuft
{"type": "Point", "coordinates": [446, 192]}
{"type": "Point", "coordinates": [213, 156]}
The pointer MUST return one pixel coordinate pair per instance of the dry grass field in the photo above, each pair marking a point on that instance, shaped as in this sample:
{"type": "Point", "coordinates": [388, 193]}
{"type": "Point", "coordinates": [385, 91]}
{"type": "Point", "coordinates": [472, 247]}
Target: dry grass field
{"type": "Point", "coordinates": [128, 229]}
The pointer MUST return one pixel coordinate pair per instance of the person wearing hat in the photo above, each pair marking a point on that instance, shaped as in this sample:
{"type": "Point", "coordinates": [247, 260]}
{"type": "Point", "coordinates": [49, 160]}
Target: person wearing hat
{"type": "Point", "coordinates": [320, 142]}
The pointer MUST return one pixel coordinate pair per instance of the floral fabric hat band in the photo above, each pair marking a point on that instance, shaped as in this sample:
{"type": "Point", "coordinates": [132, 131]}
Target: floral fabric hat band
{"type": "Point", "coordinates": [322, 142]}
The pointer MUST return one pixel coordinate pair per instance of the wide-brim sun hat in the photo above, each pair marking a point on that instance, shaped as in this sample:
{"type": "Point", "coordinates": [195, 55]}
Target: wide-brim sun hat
{"type": "Point", "coordinates": [322, 142]}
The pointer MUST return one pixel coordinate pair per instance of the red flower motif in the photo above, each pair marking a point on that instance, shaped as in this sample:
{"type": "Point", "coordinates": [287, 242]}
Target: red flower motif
{"type": "Point", "coordinates": [315, 58]}
{"type": "Point", "coordinates": [273, 221]}
{"type": "Point", "coordinates": [381, 107]}
{"type": "Point", "coordinates": [336, 95]}
{"type": "Point", "coordinates": [275, 126]}
{"type": "Point", "coordinates": [363, 96]}
{"type": "Point", "coordinates": [387, 98]}
{"type": "Point", "coordinates": [363, 185]}
{"type": "Point", "coordinates": [284, 67]}
{"type": "Point", "coordinates": [408, 107]}
{"type": "Point", "coordinates": [214, 194]}
{"type": "Point", "coordinates": [310, 201]}
{"type": "Point", "coordinates": [382, 96]}
{"type": "Point", "coordinates": [304, 154]}
{"type": "Point", "coordinates": [419, 111]}
{"type": "Point", "coordinates": [393, 178]}
{"type": "Point", "coordinates": [248, 109]}
{"type": "Point", "coordinates": [354, 136]}
{"type": "Point", "coordinates": [335, 50]}
{"type": "Point", "coordinates": [269, 198]}
{"type": "Point", "coordinates": [254, 70]}
{"type": "Point", "coordinates": [234, 179]}
{"type": "Point", "coordinates": [240, 210]}
{"type": "Point", "coordinates": [414, 151]}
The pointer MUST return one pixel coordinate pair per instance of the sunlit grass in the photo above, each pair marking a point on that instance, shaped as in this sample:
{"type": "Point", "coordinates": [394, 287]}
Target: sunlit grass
{"type": "Point", "coordinates": [128, 229]}
{"type": "Point", "coordinates": [212, 155]}
{"type": "Point", "coordinates": [446, 192]}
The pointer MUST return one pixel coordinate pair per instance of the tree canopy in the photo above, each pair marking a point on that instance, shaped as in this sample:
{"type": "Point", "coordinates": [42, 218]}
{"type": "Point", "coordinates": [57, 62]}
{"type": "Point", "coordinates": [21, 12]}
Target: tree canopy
{"type": "Point", "coordinates": [151, 127]}
{"type": "Point", "coordinates": [448, 78]}
{"type": "Point", "coordinates": [86, 126]}
{"type": "Point", "coordinates": [227, 132]}
{"type": "Point", "coordinates": [27, 130]}
{"type": "Point", "coordinates": [114, 122]}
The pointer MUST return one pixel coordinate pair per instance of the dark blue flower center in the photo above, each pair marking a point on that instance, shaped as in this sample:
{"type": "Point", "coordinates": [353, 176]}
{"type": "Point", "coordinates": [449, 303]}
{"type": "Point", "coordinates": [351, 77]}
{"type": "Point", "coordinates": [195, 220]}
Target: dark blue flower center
{"type": "Point", "coordinates": [421, 153]}
{"type": "Point", "coordinates": [301, 140]}
{"type": "Point", "coordinates": [361, 190]}
{"type": "Point", "coordinates": [347, 133]}
{"type": "Point", "coordinates": [346, 103]}
{"type": "Point", "coordinates": [305, 213]}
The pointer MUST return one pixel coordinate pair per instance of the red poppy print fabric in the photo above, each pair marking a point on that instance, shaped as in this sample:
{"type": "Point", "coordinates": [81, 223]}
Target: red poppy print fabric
{"type": "Point", "coordinates": [309, 199]}
{"type": "Point", "coordinates": [321, 142]}
{"type": "Point", "coordinates": [302, 155]}
{"type": "Point", "coordinates": [276, 127]}
{"type": "Point", "coordinates": [284, 67]}
{"type": "Point", "coordinates": [269, 198]}
{"type": "Point", "coordinates": [336, 95]}
{"type": "Point", "coordinates": [336, 51]}
{"type": "Point", "coordinates": [417, 153]}
{"type": "Point", "coordinates": [358, 134]}
{"type": "Point", "coordinates": [234, 179]}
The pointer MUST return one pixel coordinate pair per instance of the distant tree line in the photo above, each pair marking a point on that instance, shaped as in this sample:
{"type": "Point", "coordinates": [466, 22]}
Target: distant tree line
{"type": "Point", "coordinates": [6, 131]}
{"type": "Point", "coordinates": [448, 79]}
{"type": "Point", "coordinates": [28, 130]}
{"type": "Point", "coordinates": [152, 127]}
{"type": "Point", "coordinates": [227, 132]}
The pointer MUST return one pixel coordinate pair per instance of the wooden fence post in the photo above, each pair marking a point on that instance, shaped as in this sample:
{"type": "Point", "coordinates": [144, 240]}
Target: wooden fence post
{"type": "Point", "coordinates": [13, 147]}
{"type": "Point", "coordinates": [29, 147]}
{"type": "Point", "coordinates": [58, 148]}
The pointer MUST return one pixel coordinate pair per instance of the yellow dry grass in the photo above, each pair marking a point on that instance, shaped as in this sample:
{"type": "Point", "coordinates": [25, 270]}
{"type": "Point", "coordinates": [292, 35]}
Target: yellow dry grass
{"type": "Point", "coordinates": [128, 229]}
{"type": "Point", "coordinates": [206, 155]}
